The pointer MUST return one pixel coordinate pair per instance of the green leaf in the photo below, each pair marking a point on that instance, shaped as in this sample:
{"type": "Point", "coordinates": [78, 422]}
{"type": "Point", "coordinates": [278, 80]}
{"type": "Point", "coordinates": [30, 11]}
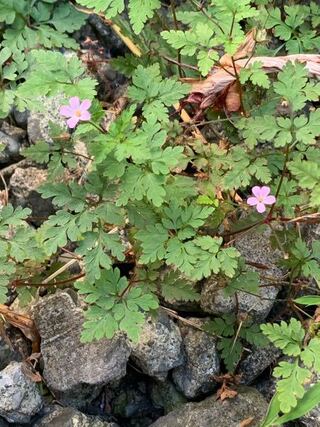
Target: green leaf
{"type": "Point", "coordinates": [157, 94]}
{"type": "Point", "coordinates": [152, 242]}
{"type": "Point", "coordinates": [291, 387]}
{"type": "Point", "coordinates": [308, 300]}
{"type": "Point", "coordinates": [114, 306]}
{"type": "Point", "coordinates": [174, 289]}
{"type": "Point", "coordinates": [255, 74]}
{"type": "Point", "coordinates": [286, 336]}
{"type": "Point", "coordinates": [310, 355]}
{"type": "Point", "coordinates": [309, 401]}
{"type": "Point", "coordinates": [248, 281]}
{"type": "Point", "coordinates": [231, 351]}
{"type": "Point", "coordinates": [293, 86]}
{"type": "Point", "coordinates": [110, 7]}
{"type": "Point", "coordinates": [224, 325]}
{"type": "Point", "coordinates": [140, 11]}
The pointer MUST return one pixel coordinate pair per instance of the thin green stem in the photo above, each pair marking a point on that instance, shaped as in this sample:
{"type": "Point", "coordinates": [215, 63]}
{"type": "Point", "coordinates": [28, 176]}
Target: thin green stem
{"type": "Point", "coordinates": [99, 128]}
{"type": "Point", "coordinates": [176, 26]}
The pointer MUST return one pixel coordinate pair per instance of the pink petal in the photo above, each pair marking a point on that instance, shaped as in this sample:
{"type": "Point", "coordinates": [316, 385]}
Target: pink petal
{"type": "Point", "coordinates": [85, 105]}
{"type": "Point", "coordinates": [269, 200]}
{"type": "Point", "coordinates": [74, 102]}
{"type": "Point", "coordinates": [256, 191]}
{"type": "Point", "coordinates": [72, 122]}
{"type": "Point", "coordinates": [264, 191]}
{"type": "Point", "coordinates": [261, 207]}
{"type": "Point", "coordinates": [252, 201]}
{"type": "Point", "coordinates": [85, 115]}
{"type": "Point", "coordinates": [65, 111]}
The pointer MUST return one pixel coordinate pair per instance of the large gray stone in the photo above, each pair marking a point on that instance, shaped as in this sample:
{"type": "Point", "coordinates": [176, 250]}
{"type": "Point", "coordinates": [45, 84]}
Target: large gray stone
{"type": "Point", "coordinates": [73, 370]}
{"type": "Point", "coordinates": [6, 354]}
{"type": "Point", "coordinates": [24, 183]}
{"type": "Point", "coordinates": [195, 376]}
{"type": "Point", "coordinates": [11, 151]}
{"type": "Point", "coordinates": [19, 396]}
{"type": "Point", "coordinates": [159, 348]}
{"type": "Point", "coordinates": [255, 247]}
{"type": "Point", "coordinates": [213, 413]}
{"type": "Point", "coordinates": [256, 362]}
{"type": "Point", "coordinates": [166, 396]}
{"type": "Point", "coordinates": [70, 417]}
{"type": "Point", "coordinates": [38, 126]}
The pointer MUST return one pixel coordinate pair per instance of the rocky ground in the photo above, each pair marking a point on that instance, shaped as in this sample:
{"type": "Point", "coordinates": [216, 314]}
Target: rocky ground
{"type": "Point", "coordinates": [168, 378]}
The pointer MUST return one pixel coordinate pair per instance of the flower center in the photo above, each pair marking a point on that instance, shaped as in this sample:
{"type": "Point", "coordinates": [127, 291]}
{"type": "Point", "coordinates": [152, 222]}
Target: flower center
{"type": "Point", "coordinates": [77, 113]}
{"type": "Point", "coordinates": [260, 199]}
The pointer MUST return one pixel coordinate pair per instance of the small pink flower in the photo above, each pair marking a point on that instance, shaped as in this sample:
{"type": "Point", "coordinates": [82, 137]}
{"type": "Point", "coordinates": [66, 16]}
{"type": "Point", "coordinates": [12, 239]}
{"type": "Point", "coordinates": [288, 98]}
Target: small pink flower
{"type": "Point", "coordinates": [261, 198]}
{"type": "Point", "coordinates": [76, 111]}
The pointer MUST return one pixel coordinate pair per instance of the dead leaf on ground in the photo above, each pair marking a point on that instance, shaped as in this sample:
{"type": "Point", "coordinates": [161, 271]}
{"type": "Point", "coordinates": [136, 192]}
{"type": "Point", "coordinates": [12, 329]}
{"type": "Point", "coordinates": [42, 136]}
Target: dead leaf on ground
{"type": "Point", "coordinates": [22, 322]}
{"type": "Point", "coordinates": [30, 372]}
{"type": "Point", "coordinates": [246, 422]}
{"type": "Point", "coordinates": [220, 89]}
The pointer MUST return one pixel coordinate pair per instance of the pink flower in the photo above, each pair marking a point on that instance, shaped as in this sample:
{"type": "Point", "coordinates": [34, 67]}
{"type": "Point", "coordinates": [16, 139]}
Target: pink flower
{"type": "Point", "coordinates": [261, 198]}
{"type": "Point", "coordinates": [76, 111]}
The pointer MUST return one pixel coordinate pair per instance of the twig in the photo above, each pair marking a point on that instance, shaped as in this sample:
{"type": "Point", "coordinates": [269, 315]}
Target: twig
{"type": "Point", "coordinates": [60, 271]}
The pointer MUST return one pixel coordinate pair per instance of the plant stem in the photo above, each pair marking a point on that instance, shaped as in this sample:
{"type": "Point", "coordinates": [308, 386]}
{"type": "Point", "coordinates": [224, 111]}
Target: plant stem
{"type": "Point", "coordinates": [176, 26]}
{"type": "Point", "coordinates": [201, 9]}
{"type": "Point", "coordinates": [284, 169]}
{"type": "Point", "coordinates": [99, 128]}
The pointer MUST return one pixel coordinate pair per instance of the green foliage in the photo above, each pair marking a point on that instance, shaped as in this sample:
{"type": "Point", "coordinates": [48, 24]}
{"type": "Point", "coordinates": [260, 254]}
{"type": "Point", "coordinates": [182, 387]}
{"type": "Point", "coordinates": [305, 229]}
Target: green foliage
{"type": "Point", "coordinates": [139, 11]}
{"type": "Point", "coordinates": [28, 25]}
{"type": "Point", "coordinates": [114, 305]}
{"type": "Point", "coordinates": [231, 337]}
{"type": "Point", "coordinates": [298, 29]}
{"type": "Point", "coordinates": [304, 261]}
{"type": "Point", "coordinates": [156, 94]}
{"type": "Point", "coordinates": [292, 375]}
{"type": "Point", "coordinates": [152, 194]}
{"type": "Point", "coordinates": [256, 75]}
{"type": "Point", "coordinates": [17, 245]}
{"type": "Point", "coordinates": [51, 73]}
{"type": "Point", "coordinates": [174, 240]}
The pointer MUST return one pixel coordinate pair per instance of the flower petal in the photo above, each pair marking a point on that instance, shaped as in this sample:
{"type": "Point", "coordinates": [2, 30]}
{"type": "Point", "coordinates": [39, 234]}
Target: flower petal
{"type": "Point", "coordinates": [65, 111]}
{"type": "Point", "coordinates": [269, 200]}
{"type": "Point", "coordinates": [252, 201]}
{"type": "Point", "coordinates": [256, 191]}
{"type": "Point", "coordinates": [261, 207]}
{"type": "Point", "coordinates": [72, 122]}
{"type": "Point", "coordinates": [74, 102]}
{"type": "Point", "coordinates": [85, 115]}
{"type": "Point", "coordinates": [85, 105]}
{"type": "Point", "coordinates": [265, 191]}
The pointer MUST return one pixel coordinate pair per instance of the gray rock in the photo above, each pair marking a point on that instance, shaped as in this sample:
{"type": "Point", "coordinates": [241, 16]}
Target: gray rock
{"type": "Point", "coordinates": [107, 36]}
{"type": "Point", "coordinates": [3, 423]}
{"type": "Point", "coordinates": [75, 371]}
{"type": "Point", "coordinates": [312, 419]}
{"type": "Point", "coordinates": [19, 396]}
{"type": "Point", "coordinates": [23, 190]}
{"type": "Point", "coordinates": [195, 376]}
{"type": "Point", "coordinates": [7, 354]}
{"type": "Point", "coordinates": [255, 247]}
{"type": "Point", "coordinates": [267, 387]}
{"type": "Point", "coordinates": [130, 400]}
{"type": "Point", "coordinates": [159, 348]}
{"type": "Point", "coordinates": [11, 152]}
{"type": "Point", "coordinates": [213, 413]}
{"type": "Point", "coordinates": [38, 126]}
{"type": "Point", "coordinates": [70, 417]}
{"type": "Point", "coordinates": [257, 361]}
{"type": "Point", "coordinates": [21, 118]}
{"type": "Point", "coordinates": [166, 396]}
